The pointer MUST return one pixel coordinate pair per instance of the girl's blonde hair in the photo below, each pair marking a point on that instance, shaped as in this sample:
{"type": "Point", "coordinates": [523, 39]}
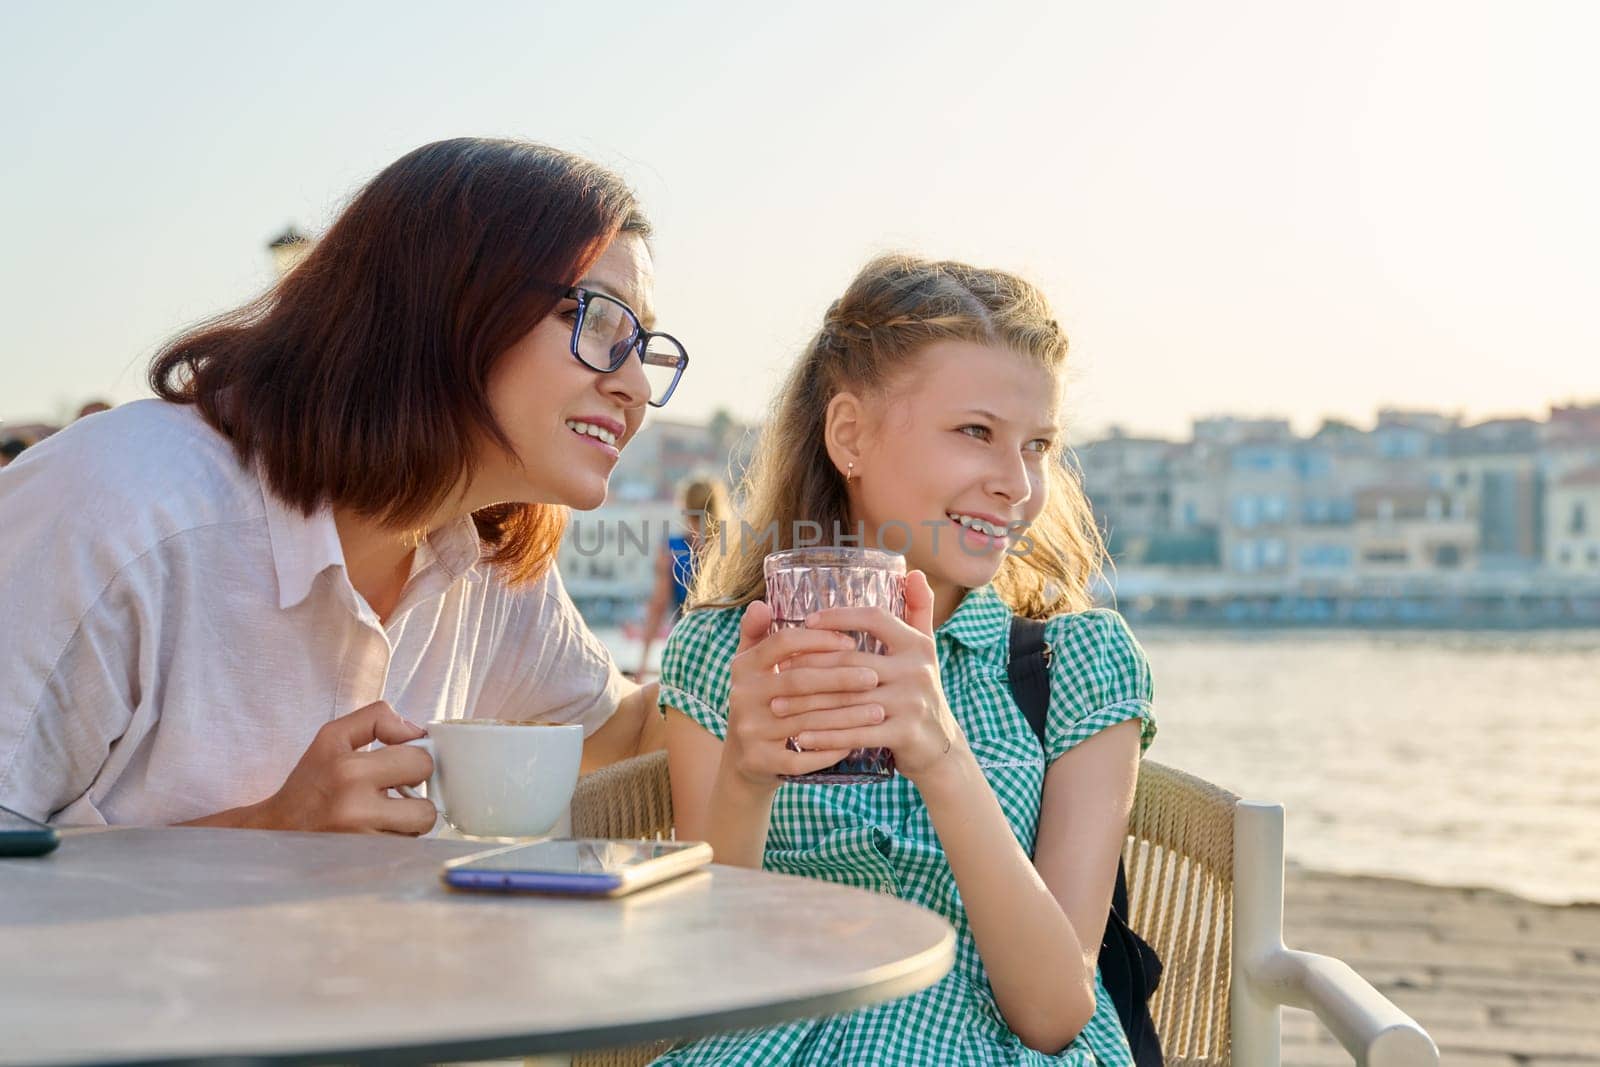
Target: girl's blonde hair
{"type": "Point", "coordinates": [896, 306]}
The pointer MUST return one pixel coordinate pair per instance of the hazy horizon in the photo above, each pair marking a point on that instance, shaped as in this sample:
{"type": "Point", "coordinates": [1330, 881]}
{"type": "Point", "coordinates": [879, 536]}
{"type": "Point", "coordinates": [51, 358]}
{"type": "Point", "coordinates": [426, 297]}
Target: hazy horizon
{"type": "Point", "coordinates": [1243, 209]}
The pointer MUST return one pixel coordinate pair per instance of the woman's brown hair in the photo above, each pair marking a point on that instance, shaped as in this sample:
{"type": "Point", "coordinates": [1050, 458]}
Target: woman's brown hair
{"type": "Point", "coordinates": [894, 308]}
{"type": "Point", "coordinates": [360, 380]}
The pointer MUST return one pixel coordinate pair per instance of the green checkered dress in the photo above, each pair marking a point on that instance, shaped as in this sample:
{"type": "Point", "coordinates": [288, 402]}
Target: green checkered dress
{"type": "Point", "coordinates": [880, 836]}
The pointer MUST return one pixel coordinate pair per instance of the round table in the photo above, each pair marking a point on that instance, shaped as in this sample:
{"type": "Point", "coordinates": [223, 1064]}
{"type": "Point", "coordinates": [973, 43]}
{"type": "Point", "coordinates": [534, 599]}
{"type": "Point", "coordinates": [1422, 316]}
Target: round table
{"type": "Point", "coordinates": [190, 944]}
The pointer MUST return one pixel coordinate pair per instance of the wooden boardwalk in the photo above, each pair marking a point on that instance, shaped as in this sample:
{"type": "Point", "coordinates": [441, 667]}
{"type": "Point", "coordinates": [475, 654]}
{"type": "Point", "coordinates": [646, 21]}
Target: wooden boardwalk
{"type": "Point", "coordinates": [1498, 981]}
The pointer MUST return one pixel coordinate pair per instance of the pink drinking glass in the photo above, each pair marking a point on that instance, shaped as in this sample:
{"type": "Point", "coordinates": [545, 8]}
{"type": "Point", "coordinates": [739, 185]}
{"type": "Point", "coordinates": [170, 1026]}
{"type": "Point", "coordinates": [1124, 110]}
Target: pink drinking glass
{"type": "Point", "coordinates": [804, 580]}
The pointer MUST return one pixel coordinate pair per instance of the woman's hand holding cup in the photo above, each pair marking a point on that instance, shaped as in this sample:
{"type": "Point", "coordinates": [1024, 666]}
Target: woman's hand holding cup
{"type": "Point", "coordinates": [341, 785]}
{"type": "Point", "coordinates": [773, 696]}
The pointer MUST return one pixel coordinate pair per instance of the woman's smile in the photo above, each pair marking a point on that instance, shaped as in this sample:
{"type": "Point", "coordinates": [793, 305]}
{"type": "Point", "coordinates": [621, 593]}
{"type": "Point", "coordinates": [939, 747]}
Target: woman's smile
{"type": "Point", "coordinates": [604, 434]}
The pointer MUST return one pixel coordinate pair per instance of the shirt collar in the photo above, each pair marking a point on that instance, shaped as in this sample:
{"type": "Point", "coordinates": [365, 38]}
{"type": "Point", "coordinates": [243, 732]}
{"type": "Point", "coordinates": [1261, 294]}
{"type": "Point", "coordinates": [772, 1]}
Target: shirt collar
{"type": "Point", "coordinates": [303, 546]}
{"type": "Point", "coordinates": [455, 547]}
{"type": "Point", "coordinates": [981, 620]}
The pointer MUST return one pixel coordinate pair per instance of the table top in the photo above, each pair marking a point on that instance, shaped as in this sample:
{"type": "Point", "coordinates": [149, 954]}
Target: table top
{"type": "Point", "coordinates": [191, 944]}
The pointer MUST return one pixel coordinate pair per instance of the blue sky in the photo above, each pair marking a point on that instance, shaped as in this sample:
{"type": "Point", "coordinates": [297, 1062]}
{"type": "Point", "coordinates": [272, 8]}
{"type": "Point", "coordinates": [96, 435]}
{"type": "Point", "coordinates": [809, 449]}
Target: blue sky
{"type": "Point", "coordinates": [1256, 208]}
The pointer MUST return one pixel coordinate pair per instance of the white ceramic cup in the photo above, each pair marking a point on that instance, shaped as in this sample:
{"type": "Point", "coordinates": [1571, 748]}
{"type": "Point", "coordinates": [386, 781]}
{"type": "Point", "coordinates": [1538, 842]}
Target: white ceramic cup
{"type": "Point", "coordinates": [493, 778]}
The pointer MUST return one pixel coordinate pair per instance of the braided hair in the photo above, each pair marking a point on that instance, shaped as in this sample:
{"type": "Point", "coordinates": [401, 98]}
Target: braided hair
{"type": "Point", "coordinates": [896, 306]}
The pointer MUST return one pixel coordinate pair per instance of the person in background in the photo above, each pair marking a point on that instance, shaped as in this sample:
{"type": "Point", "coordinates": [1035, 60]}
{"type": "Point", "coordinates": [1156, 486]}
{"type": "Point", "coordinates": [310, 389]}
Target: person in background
{"type": "Point", "coordinates": [924, 417]}
{"type": "Point", "coordinates": [93, 407]}
{"type": "Point", "coordinates": [339, 517]}
{"type": "Point", "coordinates": [704, 503]}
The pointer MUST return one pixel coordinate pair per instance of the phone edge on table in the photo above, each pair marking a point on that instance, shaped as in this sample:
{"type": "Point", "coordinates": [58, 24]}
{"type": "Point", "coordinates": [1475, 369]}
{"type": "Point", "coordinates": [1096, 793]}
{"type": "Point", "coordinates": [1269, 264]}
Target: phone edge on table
{"type": "Point", "coordinates": [36, 839]}
{"type": "Point", "coordinates": [692, 856]}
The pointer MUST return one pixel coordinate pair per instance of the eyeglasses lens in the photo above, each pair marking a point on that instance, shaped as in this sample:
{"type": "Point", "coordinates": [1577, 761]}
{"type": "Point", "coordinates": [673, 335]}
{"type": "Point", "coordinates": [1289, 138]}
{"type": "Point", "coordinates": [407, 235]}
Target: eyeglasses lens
{"type": "Point", "coordinates": [608, 333]}
{"type": "Point", "coordinates": [663, 362]}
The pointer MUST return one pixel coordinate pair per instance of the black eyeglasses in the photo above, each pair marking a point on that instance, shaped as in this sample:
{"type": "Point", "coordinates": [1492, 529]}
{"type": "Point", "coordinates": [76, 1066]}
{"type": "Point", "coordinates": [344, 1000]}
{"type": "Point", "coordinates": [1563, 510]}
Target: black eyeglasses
{"type": "Point", "coordinates": [606, 332]}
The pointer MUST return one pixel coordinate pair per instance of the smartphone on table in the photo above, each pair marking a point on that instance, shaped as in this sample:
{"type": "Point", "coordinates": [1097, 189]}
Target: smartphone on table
{"type": "Point", "coordinates": [585, 867]}
{"type": "Point", "coordinates": [22, 836]}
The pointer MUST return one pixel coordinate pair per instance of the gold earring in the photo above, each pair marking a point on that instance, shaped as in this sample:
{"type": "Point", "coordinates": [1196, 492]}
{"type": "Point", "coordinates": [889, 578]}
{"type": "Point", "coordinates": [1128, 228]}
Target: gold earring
{"type": "Point", "coordinates": [850, 472]}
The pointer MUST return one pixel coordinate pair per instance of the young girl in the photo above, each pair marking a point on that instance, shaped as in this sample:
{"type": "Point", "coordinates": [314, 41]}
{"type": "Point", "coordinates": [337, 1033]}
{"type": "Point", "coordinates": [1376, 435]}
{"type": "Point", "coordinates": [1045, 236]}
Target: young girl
{"type": "Point", "coordinates": [924, 417]}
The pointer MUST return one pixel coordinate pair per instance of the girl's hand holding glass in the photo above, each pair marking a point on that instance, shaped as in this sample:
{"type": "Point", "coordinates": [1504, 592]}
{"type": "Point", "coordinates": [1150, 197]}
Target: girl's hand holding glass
{"type": "Point", "coordinates": [918, 726]}
{"type": "Point", "coordinates": [768, 674]}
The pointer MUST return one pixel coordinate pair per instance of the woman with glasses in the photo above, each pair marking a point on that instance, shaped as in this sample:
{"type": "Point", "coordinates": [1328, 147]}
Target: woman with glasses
{"type": "Point", "coordinates": [339, 517]}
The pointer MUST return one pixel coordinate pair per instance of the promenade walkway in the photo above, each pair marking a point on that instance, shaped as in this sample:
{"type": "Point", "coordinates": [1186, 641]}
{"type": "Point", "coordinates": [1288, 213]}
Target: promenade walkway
{"type": "Point", "coordinates": [1498, 981]}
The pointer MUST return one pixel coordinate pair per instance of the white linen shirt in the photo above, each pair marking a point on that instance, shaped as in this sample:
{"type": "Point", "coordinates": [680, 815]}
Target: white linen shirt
{"type": "Point", "coordinates": [175, 634]}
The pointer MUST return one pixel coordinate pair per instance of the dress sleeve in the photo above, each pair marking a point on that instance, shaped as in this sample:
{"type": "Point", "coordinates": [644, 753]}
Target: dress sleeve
{"type": "Point", "coordinates": [1099, 677]}
{"type": "Point", "coordinates": [695, 664]}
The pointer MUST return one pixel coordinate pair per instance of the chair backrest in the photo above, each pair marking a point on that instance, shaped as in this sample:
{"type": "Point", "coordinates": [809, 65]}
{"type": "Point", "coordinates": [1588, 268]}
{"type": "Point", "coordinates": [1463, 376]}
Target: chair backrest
{"type": "Point", "coordinates": [1179, 859]}
{"type": "Point", "coordinates": [628, 799]}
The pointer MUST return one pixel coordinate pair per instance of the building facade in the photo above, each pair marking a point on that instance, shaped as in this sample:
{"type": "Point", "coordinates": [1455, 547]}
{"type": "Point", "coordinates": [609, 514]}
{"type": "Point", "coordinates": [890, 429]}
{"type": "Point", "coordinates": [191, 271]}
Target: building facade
{"type": "Point", "coordinates": [1418, 500]}
{"type": "Point", "coordinates": [1572, 522]}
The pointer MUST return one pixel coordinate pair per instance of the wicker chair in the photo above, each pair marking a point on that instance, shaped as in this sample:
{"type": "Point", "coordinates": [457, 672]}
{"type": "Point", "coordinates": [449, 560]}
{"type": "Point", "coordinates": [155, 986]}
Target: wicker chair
{"type": "Point", "coordinates": [1205, 885]}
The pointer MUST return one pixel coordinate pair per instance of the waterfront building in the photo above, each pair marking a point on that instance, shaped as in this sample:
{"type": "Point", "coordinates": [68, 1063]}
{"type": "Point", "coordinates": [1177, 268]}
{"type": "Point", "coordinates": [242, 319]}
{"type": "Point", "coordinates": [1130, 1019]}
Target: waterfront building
{"type": "Point", "coordinates": [666, 452]}
{"type": "Point", "coordinates": [1129, 481]}
{"type": "Point", "coordinates": [1572, 522]}
{"type": "Point", "coordinates": [1572, 421]}
{"type": "Point", "coordinates": [1402, 434]}
{"type": "Point", "coordinates": [1261, 495]}
{"type": "Point", "coordinates": [1496, 465]}
{"type": "Point", "coordinates": [1569, 441]}
{"type": "Point", "coordinates": [1409, 531]}
{"type": "Point", "coordinates": [1228, 430]}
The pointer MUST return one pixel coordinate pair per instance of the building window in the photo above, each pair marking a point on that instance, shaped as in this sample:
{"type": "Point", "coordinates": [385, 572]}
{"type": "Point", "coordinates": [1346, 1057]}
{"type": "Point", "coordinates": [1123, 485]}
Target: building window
{"type": "Point", "coordinates": [1594, 556]}
{"type": "Point", "coordinates": [1566, 556]}
{"type": "Point", "coordinates": [1325, 555]}
{"type": "Point", "coordinates": [1272, 552]}
{"type": "Point", "coordinates": [1499, 513]}
{"type": "Point", "coordinates": [1385, 555]}
{"type": "Point", "coordinates": [1258, 459]}
{"type": "Point", "coordinates": [1580, 519]}
{"type": "Point", "coordinates": [1447, 556]}
{"type": "Point", "coordinates": [1463, 479]}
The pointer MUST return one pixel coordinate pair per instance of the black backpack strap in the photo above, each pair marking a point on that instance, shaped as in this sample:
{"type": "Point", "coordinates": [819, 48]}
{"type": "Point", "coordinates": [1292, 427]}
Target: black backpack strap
{"type": "Point", "coordinates": [1129, 968]}
{"type": "Point", "coordinates": [1030, 672]}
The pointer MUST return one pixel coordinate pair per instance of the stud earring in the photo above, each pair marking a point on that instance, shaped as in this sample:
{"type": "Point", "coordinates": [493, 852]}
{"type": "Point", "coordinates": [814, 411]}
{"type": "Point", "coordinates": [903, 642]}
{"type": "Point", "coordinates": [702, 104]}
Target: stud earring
{"type": "Point", "coordinates": [850, 471]}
